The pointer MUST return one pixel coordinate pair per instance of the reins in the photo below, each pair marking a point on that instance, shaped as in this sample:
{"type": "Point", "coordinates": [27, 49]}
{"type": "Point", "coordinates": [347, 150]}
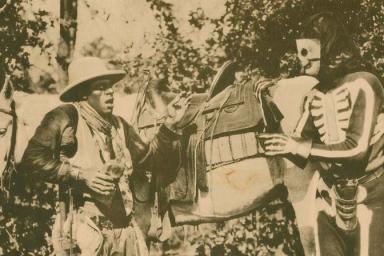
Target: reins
{"type": "Point", "coordinates": [140, 104]}
{"type": "Point", "coordinates": [10, 162]}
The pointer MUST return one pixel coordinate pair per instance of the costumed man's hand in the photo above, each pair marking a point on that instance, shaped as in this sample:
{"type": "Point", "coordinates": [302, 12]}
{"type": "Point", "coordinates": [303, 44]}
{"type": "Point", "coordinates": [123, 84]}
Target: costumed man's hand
{"type": "Point", "coordinates": [278, 144]}
{"type": "Point", "coordinates": [97, 181]}
{"type": "Point", "coordinates": [176, 110]}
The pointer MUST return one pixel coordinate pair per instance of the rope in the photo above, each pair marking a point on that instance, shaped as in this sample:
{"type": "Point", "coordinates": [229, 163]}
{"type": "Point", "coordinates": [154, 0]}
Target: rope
{"type": "Point", "coordinates": [229, 92]}
{"type": "Point", "coordinates": [201, 140]}
{"type": "Point", "coordinates": [139, 105]}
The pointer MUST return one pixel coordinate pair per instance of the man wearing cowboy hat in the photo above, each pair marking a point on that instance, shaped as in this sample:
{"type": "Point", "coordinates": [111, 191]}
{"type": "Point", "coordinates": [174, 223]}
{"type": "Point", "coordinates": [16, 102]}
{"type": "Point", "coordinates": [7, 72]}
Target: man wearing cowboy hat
{"type": "Point", "coordinates": [90, 152]}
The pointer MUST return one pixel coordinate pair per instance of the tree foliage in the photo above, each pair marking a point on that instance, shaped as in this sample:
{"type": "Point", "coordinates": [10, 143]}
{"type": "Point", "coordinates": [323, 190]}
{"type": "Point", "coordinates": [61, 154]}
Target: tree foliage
{"type": "Point", "coordinates": [176, 59]}
{"type": "Point", "coordinates": [24, 219]}
{"type": "Point", "coordinates": [21, 27]}
{"type": "Point", "coordinates": [260, 35]}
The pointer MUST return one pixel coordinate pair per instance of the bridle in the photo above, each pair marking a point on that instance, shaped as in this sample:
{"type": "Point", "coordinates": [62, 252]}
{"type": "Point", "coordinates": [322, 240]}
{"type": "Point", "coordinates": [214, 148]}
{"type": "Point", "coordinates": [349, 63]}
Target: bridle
{"type": "Point", "coordinates": [140, 105]}
{"type": "Point", "coordinates": [10, 168]}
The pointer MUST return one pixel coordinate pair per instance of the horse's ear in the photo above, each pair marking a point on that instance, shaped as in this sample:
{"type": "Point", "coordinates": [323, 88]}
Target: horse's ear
{"type": "Point", "coordinates": [7, 90]}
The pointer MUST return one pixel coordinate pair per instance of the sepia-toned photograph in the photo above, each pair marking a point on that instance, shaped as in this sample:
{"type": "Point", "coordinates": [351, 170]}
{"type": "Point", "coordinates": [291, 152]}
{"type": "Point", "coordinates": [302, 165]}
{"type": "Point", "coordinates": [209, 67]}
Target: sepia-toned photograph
{"type": "Point", "coordinates": [191, 128]}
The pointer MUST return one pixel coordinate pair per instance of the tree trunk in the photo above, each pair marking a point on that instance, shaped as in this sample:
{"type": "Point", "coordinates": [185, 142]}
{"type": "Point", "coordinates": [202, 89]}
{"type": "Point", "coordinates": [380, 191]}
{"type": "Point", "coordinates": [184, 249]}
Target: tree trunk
{"type": "Point", "coordinates": [68, 29]}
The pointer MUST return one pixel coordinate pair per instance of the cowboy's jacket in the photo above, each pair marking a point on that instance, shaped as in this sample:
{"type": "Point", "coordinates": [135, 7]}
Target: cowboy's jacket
{"type": "Point", "coordinates": [339, 124]}
{"type": "Point", "coordinates": [56, 137]}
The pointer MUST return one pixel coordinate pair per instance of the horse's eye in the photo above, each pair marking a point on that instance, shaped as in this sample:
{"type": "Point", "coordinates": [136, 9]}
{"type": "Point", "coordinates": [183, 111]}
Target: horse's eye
{"type": "Point", "coordinates": [2, 132]}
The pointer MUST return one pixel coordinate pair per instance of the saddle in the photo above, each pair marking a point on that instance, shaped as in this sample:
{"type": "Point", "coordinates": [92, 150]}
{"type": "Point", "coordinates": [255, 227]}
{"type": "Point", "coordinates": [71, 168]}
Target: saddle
{"type": "Point", "coordinates": [221, 129]}
{"type": "Point", "coordinates": [224, 130]}
{"type": "Point", "coordinates": [233, 110]}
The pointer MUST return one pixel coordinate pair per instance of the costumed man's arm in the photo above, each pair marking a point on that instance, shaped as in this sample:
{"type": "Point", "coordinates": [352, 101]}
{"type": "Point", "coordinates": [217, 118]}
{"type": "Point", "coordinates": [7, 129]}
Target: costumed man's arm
{"type": "Point", "coordinates": [353, 150]}
{"type": "Point", "coordinates": [362, 120]}
{"type": "Point", "coordinates": [306, 130]}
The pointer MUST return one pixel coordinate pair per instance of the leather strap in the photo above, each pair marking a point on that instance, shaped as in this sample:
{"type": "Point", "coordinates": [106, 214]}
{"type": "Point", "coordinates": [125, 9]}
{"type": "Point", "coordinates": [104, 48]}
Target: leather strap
{"type": "Point", "coordinates": [103, 222]}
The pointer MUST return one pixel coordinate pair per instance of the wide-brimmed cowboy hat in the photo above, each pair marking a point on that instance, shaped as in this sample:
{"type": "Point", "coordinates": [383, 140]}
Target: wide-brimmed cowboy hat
{"type": "Point", "coordinates": [84, 70]}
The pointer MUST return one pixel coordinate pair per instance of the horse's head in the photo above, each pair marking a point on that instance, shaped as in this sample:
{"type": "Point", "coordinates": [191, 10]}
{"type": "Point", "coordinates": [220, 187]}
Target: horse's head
{"type": "Point", "coordinates": [159, 95]}
{"type": "Point", "coordinates": [7, 113]}
{"type": "Point", "coordinates": [151, 105]}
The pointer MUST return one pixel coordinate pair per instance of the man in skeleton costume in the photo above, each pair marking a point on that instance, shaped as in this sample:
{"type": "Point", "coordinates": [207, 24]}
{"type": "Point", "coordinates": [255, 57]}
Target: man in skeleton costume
{"type": "Point", "coordinates": [337, 131]}
{"type": "Point", "coordinates": [90, 152]}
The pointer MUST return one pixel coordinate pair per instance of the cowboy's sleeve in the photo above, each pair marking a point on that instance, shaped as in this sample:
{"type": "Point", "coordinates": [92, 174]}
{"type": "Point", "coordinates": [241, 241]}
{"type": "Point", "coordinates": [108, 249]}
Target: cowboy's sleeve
{"type": "Point", "coordinates": [43, 157]}
{"type": "Point", "coordinates": [161, 154]}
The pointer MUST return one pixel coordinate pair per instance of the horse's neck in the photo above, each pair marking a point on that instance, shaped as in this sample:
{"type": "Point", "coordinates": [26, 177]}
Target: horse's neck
{"type": "Point", "coordinates": [157, 101]}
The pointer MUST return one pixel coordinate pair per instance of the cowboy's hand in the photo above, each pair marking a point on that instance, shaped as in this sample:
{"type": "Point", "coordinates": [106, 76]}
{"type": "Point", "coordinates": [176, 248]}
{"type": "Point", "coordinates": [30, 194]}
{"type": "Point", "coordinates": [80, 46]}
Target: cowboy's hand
{"type": "Point", "coordinates": [97, 181]}
{"type": "Point", "coordinates": [278, 144]}
{"type": "Point", "coordinates": [176, 109]}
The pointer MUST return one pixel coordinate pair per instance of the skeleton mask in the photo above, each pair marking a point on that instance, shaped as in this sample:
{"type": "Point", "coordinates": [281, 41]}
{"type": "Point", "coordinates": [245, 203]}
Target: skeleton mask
{"type": "Point", "coordinates": [309, 55]}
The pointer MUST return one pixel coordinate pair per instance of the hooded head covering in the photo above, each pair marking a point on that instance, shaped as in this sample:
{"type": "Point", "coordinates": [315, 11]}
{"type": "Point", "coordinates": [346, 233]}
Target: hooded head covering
{"type": "Point", "coordinates": [339, 54]}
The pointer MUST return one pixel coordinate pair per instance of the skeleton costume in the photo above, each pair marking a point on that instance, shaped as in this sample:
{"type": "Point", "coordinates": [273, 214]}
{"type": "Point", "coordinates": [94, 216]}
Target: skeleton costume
{"type": "Point", "coordinates": [336, 128]}
{"type": "Point", "coordinates": [340, 124]}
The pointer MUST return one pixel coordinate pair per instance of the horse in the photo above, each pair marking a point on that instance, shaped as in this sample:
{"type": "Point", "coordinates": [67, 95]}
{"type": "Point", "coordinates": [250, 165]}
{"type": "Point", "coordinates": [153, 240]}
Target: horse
{"type": "Point", "coordinates": [150, 110]}
{"type": "Point", "coordinates": [156, 99]}
{"type": "Point", "coordinates": [13, 137]}
{"type": "Point", "coordinates": [23, 225]}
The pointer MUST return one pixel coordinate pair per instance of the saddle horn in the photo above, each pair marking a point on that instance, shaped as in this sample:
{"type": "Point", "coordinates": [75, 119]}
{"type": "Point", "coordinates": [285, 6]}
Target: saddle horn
{"type": "Point", "coordinates": [224, 77]}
